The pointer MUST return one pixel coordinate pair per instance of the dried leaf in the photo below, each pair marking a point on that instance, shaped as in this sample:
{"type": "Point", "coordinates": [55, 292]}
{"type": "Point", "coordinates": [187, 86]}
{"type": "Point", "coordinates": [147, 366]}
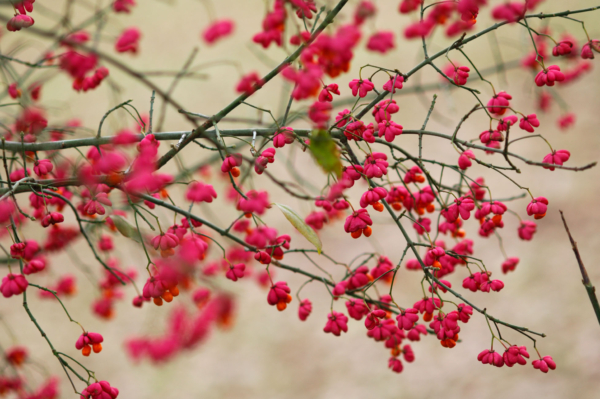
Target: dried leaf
{"type": "Point", "coordinates": [125, 228]}
{"type": "Point", "coordinates": [302, 227]}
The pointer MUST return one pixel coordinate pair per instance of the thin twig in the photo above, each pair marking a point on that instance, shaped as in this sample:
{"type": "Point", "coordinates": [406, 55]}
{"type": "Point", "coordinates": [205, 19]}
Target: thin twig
{"type": "Point", "coordinates": [591, 290]}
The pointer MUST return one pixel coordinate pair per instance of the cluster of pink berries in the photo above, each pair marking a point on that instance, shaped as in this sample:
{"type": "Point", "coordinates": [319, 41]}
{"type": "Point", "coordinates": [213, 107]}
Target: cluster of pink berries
{"type": "Point", "coordinates": [515, 355]}
{"type": "Point", "coordinates": [125, 170]}
{"type": "Point", "coordinates": [21, 20]}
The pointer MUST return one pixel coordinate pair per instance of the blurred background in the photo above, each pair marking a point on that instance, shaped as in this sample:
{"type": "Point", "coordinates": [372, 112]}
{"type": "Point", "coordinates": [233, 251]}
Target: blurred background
{"type": "Point", "coordinates": [271, 354]}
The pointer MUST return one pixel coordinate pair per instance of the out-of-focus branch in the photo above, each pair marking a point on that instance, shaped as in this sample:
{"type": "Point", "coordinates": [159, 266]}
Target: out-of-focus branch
{"type": "Point", "coordinates": [109, 59]}
{"type": "Point", "coordinates": [177, 78]}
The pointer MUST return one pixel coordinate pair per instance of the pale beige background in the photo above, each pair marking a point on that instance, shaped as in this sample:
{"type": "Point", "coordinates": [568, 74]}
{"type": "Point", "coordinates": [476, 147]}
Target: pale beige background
{"type": "Point", "coordinates": [273, 355]}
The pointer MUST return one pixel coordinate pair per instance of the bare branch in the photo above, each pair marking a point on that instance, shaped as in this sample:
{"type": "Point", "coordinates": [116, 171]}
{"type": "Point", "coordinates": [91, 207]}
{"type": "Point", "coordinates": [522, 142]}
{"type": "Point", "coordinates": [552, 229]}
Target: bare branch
{"type": "Point", "coordinates": [591, 290]}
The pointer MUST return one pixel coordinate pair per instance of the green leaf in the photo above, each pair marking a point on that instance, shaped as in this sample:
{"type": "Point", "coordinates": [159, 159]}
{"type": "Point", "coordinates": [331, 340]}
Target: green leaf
{"type": "Point", "coordinates": [326, 152]}
{"type": "Point", "coordinates": [302, 227]}
{"type": "Point", "coordinates": [125, 228]}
